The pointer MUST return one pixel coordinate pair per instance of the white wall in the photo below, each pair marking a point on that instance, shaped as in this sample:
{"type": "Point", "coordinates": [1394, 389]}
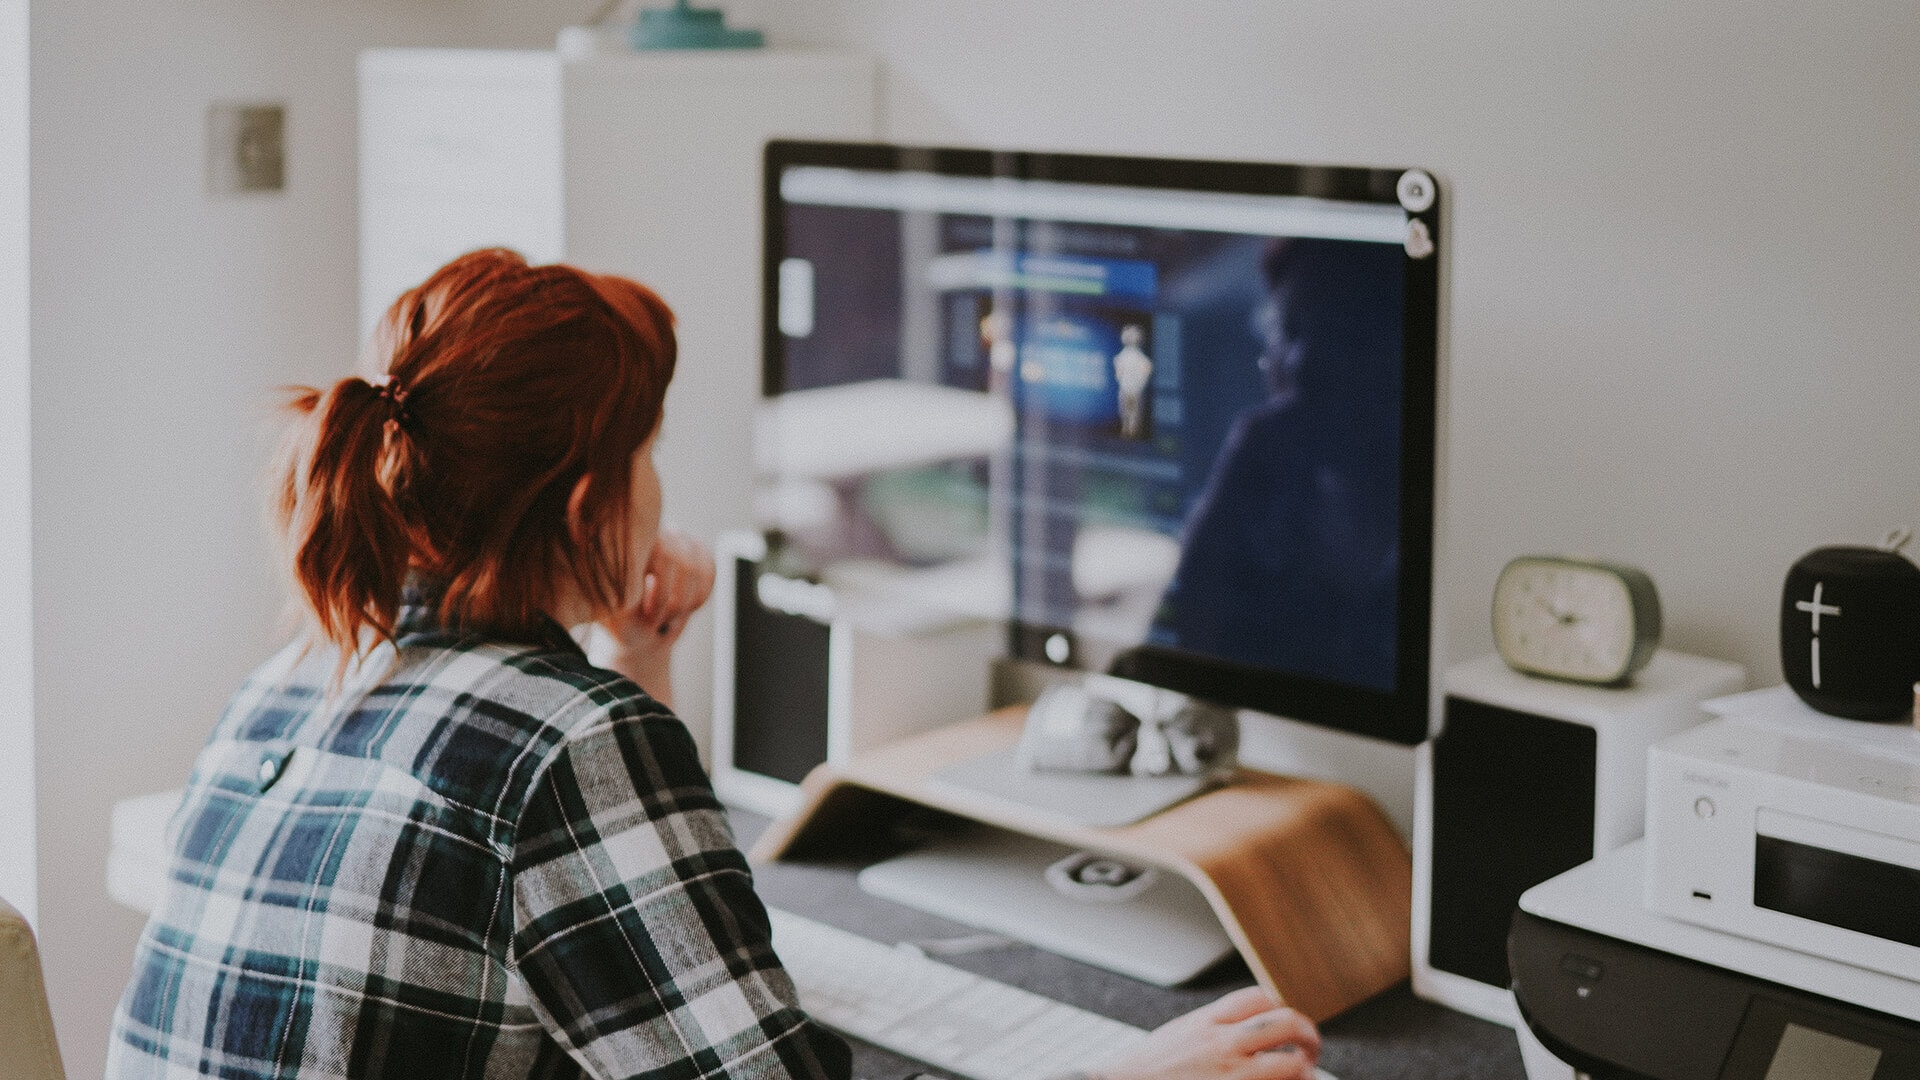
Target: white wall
{"type": "Point", "coordinates": [1684, 278]}
{"type": "Point", "coordinates": [16, 580]}
{"type": "Point", "coordinates": [163, 319]}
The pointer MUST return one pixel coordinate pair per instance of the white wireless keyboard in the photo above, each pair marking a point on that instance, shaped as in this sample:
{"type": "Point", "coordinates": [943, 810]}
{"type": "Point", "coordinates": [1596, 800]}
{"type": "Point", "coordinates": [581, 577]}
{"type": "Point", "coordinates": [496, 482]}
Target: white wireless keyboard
{"type": "Point", "coordinates": [937, 1013]}
{"type": "Point", "coordinates": [896, 998]}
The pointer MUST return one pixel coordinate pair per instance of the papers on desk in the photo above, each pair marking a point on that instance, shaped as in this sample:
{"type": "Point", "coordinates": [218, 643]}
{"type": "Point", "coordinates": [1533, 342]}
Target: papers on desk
{"type": "Point", "coordinates": [1779, 708]}
{"type": "Point", "coordinates": [1777, 703]}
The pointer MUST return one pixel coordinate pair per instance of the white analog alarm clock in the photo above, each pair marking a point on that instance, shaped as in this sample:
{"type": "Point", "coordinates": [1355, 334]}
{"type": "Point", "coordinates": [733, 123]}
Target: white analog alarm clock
{"type": "Point", "coordinates": [1573, 618]}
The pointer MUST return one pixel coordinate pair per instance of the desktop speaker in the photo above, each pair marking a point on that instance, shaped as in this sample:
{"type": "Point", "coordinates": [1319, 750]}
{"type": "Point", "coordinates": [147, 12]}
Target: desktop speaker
{"type": "Point", "coordinates": [1528, 778]}
{"type": "Point", "coordinates": [798, 683]}
{"type": "Point", "coordinates": [1850, 632]}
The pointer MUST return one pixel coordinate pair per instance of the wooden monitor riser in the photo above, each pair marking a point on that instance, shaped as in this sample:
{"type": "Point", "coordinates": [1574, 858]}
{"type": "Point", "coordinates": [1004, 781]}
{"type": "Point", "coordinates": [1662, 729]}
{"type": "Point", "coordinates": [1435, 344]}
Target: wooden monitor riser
{"type": "Point", "coordinates": [1308, 878]}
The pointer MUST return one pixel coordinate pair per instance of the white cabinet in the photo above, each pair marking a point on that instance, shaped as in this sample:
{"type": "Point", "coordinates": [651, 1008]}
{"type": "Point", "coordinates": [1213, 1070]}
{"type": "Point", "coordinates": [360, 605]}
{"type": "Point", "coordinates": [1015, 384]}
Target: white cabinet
{"type": "Point", "coordinates": [459, 149]}
{"type": "Point", "coordinates": [646, 165]}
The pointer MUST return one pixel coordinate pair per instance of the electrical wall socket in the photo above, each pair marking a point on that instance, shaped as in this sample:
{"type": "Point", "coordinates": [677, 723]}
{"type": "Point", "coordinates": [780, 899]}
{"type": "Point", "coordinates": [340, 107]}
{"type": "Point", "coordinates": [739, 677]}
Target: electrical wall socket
{"type": "Point", "coordinates": [246, 147]}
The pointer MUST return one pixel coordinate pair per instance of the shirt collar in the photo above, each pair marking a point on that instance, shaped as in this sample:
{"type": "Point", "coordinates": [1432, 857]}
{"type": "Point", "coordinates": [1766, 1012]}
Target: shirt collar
{"type": "Point", "coordinates": [419, 614]}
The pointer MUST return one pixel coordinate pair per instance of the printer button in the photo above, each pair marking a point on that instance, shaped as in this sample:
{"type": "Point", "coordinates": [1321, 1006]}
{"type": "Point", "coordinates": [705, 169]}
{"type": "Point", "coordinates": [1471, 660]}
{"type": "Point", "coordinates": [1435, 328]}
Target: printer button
{"type": "Point", "coordinates": [1581, 967]}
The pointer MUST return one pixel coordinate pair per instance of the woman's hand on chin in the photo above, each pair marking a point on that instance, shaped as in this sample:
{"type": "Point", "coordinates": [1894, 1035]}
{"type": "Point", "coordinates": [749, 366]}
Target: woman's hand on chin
{"type": "Point", "coordinates": [675, 583]}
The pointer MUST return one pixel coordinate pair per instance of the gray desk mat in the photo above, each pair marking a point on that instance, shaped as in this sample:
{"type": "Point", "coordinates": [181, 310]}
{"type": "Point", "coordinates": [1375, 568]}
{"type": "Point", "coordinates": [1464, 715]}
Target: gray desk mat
{"type": "Point", "coordinates": [1394, 1036]}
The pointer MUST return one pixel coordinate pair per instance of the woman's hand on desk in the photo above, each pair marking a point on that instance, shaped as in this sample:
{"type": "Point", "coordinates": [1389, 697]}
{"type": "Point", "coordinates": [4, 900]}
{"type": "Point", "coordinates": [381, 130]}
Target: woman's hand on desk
{"type": "Point", "coordinates": [1242, 1036]}
{"type": "Point", "coordinates": [676, 581]}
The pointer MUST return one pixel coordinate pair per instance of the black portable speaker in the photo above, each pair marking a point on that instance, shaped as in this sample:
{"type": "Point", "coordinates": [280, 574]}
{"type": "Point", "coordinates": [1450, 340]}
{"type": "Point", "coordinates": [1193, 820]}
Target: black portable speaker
{"type": "Point", "coordinates": [1850, 631]}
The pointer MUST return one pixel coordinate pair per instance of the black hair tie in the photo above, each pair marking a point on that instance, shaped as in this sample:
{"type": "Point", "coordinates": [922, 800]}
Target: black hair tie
{"type": "Point", "coordinates": [394, 393]}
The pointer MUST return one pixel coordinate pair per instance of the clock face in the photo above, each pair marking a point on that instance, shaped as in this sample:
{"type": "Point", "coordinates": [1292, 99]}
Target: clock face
{"type": "Point", "coordinates": [1570, 619]}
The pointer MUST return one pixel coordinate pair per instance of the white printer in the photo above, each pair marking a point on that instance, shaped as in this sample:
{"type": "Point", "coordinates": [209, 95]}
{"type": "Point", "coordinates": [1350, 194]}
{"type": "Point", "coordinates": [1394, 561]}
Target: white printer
{"type": "Point", "coordinates": [1767, 928]}
{"type": "Point", "coordinates": [1614, 990]}
{"type": "Point", "coordinates": [1787, 826]}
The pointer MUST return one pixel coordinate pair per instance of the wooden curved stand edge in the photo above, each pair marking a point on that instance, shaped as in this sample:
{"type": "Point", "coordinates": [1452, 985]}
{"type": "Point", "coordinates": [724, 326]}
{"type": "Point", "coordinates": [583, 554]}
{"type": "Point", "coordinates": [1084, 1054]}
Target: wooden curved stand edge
{"type": "Point", "coordinates": [1308, 878]}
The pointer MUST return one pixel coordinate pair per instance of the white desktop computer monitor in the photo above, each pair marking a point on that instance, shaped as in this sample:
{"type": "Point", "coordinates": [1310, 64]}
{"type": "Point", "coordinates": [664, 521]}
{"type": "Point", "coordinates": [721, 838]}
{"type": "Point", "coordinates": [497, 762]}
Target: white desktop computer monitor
{"type": "Point", "coordinates": [1175, 420]}
{"type": "Point", "coordinates": [1170, 421]}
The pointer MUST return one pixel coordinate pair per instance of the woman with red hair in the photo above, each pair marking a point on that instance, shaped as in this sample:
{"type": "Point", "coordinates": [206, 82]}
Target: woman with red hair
{"type": "Point", "coordinates": [429, 838]}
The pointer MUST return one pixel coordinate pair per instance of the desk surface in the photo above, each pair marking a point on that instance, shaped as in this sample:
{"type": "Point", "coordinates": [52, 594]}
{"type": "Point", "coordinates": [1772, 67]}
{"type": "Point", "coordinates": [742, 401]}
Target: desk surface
{"type": "Point", "coordinates": [1390, 1037]}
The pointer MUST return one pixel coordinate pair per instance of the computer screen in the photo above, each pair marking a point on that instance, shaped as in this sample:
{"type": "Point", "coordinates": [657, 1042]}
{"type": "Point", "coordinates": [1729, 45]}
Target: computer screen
{"type": "Point", "coordinates": [1172, 420]}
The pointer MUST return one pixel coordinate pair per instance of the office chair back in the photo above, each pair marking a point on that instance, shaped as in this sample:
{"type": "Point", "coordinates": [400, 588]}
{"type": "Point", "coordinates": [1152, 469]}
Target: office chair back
{"type": "Point", "coordinates": [27, 1047]}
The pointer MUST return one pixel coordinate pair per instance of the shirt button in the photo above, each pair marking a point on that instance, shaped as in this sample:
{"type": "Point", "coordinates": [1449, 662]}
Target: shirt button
{"type": "Point", "coordinates": [269, 770]}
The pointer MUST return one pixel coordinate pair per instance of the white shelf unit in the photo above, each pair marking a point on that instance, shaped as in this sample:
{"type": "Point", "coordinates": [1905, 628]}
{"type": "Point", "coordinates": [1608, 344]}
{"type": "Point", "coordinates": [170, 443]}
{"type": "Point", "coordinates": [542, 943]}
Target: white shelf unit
{"type": "Point", "coordinates": [646, 165]}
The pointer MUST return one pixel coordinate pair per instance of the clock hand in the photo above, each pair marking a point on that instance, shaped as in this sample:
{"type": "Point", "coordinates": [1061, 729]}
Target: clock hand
{"type": "Point", "coordinates": [1564, 618]}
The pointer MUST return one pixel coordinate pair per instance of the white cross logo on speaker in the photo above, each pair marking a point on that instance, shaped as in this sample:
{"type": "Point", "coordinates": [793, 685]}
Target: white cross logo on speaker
{"type": "Point", "coordinates": [1816, 609]}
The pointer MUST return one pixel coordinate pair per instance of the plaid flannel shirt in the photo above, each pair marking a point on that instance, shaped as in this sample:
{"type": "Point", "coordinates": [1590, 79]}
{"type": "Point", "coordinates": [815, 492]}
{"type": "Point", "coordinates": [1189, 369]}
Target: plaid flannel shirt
{"type": "Point", "coordinates": [475, 860]}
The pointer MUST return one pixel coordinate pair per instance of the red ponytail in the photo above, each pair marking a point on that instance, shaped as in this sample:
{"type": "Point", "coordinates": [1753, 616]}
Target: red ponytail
{"type": "Point", "coordinates": [505, 385]}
